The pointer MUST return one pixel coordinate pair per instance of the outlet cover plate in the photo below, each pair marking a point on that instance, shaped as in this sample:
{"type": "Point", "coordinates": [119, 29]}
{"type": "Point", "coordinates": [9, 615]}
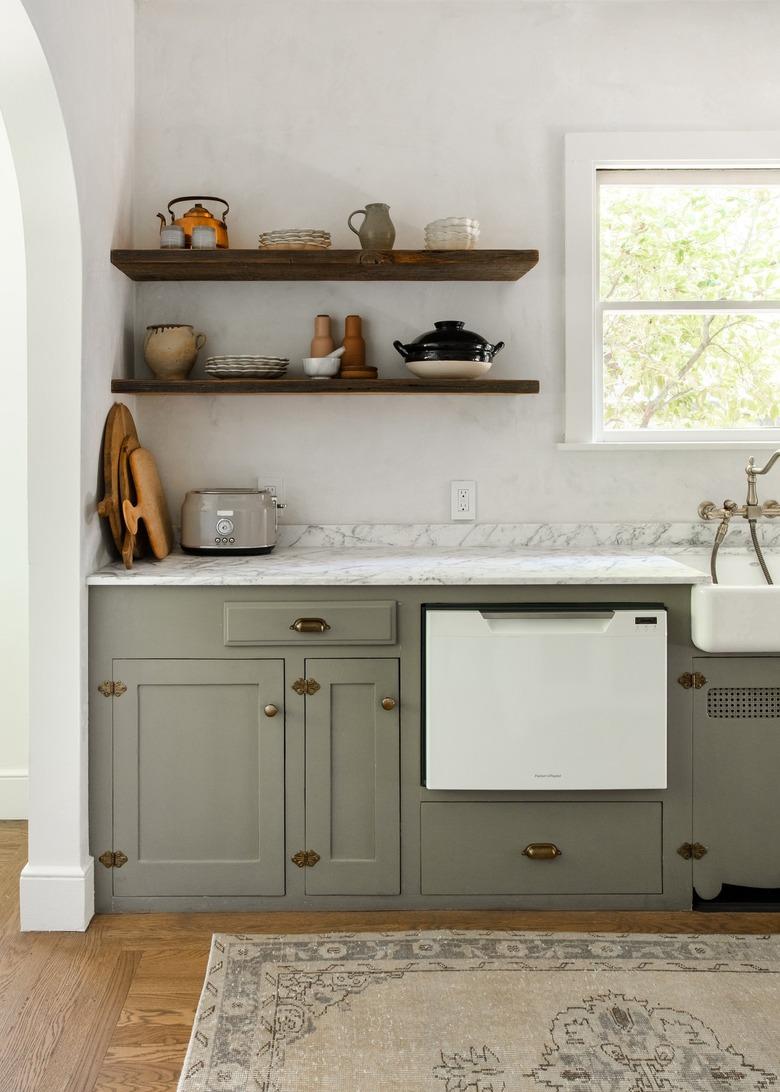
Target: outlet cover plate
{"type": "Point", "coordinates": [463, 500]}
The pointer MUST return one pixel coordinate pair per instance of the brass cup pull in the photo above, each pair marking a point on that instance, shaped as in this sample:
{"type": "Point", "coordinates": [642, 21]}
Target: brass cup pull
{"type": "Point", "coordinates": [389, 704]}
{"type": "Point", "coordinates": [541, 851]}
{"type": "Point", "coordinates": [271, 710]}
{"type": "Point", "coordinates": [310, 625]}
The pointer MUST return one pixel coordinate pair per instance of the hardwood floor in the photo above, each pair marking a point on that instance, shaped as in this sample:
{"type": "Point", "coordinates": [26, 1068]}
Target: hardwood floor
{"type": "Point", "coordinates": [110, 1010]}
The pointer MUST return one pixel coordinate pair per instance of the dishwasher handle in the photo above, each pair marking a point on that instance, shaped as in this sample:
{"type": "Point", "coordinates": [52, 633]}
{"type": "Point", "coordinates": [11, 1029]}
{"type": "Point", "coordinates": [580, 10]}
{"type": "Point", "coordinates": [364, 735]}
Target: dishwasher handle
{"type": "Point", "coordinates": [520, 623]}
{"type": "Point", "coordinates": [557, 615]}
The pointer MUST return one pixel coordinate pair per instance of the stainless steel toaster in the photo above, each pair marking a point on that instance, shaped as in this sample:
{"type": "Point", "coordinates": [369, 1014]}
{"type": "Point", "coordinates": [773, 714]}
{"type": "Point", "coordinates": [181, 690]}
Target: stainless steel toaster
{"type": "Point", "coordinates": [229, 521]}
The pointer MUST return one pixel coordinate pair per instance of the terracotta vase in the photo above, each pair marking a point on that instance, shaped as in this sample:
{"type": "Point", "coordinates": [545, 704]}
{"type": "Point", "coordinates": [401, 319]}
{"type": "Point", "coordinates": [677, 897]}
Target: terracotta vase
{"type": "Point", "coordinates": [322, 343]}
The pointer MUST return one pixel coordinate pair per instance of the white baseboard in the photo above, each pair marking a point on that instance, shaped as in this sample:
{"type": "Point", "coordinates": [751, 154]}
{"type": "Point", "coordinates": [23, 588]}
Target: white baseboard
{"type": "Point", "coordinates": [53, 898]}
{"type": "Point", "coordinates": [13, 794]}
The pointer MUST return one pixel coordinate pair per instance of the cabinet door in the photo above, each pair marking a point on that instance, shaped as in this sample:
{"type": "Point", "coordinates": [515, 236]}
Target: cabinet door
{"type": "Point", "coordinates": [352, 778]}
{"type": "Point", "coordinates": [736, 758]}
{"type": "Point", "coordinates": [199, 777]}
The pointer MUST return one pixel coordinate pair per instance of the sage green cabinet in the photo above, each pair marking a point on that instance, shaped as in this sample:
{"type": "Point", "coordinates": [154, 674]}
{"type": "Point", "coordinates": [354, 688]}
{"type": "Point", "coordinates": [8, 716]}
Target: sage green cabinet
{"type": "Point", "coordinates": [353, 777]}
{"type": "Point", "coordinates": [198, 774]}
{"type": "Point", "coordinates": [736, 764]}
{"type": "Point", "coordinates": [209, 798]}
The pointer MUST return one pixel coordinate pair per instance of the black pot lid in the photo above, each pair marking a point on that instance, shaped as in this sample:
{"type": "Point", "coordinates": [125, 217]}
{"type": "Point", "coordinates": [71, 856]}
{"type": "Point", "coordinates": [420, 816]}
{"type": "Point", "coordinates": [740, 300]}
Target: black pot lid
{"type": "Point", "coordinates": [450, 333]}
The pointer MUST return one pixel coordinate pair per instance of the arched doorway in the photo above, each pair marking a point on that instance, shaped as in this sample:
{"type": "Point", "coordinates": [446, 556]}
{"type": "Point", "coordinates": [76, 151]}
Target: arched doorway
{"type": "Point", "coordinates": [56, 884]}
{"type": "Point", "coordinates": [13, 547]}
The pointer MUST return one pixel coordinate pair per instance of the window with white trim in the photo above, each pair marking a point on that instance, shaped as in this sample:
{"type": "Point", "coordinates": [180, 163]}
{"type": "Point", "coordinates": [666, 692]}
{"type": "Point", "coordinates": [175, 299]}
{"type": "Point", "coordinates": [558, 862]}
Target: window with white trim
{"type": "Point", "coordinates": [677, 275]}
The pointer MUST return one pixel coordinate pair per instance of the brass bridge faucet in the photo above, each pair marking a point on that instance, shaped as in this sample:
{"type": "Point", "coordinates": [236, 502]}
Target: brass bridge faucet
{"type": "Point", "coordinates": [751, 510]}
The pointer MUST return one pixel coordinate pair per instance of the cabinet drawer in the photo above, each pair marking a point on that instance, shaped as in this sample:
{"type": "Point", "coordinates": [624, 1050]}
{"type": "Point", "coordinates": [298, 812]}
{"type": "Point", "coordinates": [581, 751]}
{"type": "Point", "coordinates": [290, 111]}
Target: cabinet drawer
{"type": "Point", "coordinates": [348, 623]}
{"type": "Point", "coordinates": [476, 848]}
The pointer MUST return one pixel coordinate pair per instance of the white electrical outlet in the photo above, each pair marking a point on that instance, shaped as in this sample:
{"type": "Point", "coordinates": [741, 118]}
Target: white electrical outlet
{"type": "Point", "coordinates": [276, 485]}
{"type": "Point", "coordinates": [463, 500]}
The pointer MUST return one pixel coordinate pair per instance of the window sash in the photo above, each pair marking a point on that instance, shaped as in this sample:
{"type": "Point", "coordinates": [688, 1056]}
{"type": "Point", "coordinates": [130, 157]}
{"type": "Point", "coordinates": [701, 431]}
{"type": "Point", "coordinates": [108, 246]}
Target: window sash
{"type": "Point", "coordinates": [669, 307]}
{"type": "Point", "coordinates": [683, 307]}
{"type": "Point", "coordinates": [674, 157]}
{"type": "Point", "coordinates": [680, 176]}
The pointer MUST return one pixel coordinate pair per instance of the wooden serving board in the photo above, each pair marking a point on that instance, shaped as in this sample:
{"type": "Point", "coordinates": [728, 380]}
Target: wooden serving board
{"type": "Point", "coordinates": [119, 424]}
{"type": "Point", "coordinates": [151, 506]}
{"type": "Point", "coordinates": [131, 543]}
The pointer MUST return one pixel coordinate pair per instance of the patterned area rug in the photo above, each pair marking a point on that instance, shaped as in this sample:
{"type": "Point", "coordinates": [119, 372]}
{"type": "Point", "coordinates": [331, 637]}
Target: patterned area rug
{"type": "Point", "coordinates": [488, 1012]}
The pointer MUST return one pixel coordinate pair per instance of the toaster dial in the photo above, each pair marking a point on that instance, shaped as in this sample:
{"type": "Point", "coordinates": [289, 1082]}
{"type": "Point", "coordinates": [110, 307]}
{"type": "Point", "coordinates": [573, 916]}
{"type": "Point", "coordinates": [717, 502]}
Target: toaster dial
{"type": "Point", "coordinates": [225, 526]}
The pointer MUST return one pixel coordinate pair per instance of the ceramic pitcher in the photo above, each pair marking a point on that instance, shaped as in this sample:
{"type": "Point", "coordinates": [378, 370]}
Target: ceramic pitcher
{"type": "Point", "coordinates": [170, 351]}
{"type": "Point", "coordinates": [377, 231]}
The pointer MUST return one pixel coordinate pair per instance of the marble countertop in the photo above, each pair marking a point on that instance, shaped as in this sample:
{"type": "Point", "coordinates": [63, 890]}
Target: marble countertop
{"type": "Point", "coordinates": [401, 566]}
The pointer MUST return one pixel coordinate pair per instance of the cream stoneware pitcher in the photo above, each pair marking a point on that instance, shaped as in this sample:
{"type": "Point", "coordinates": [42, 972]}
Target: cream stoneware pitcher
{"type": "Point", "coordinates": [171, 351]}
{"type": "Point", "coordinates": [377, 231]}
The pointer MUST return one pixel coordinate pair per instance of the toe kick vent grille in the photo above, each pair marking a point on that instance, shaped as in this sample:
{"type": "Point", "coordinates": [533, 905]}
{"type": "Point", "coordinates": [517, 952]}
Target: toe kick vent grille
{"type": "Point", "coordinates": [743, 702]}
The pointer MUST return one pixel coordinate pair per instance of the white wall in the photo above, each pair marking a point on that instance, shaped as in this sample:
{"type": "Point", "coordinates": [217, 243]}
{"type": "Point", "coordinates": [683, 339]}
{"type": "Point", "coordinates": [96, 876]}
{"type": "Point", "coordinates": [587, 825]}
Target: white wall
{"type": "Point", "coordinates": [298, 111]}
{"type": "Point", "coordinates": [13, 545]}
{"type": "Point", "coordinates": [88, 47]}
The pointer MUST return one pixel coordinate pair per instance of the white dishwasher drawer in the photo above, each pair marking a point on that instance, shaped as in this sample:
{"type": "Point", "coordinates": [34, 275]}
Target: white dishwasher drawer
{"type": "Point", "coordinates": [553, 699]}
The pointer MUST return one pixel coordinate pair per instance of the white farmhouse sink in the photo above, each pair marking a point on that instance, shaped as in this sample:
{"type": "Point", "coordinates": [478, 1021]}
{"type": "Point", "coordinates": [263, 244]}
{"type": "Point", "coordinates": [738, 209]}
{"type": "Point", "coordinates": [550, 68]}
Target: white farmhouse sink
{"type": "Point", "coordinates": [742, 612]}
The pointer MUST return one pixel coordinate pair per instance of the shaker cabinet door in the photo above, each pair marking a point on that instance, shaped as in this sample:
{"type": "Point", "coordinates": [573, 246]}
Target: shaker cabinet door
{"type": "Point", "coordinates": [736, 758]}
{"type": "Point", "coordinates": [199, 777]}
{"type": "Point", "coordinates": [352, 777]}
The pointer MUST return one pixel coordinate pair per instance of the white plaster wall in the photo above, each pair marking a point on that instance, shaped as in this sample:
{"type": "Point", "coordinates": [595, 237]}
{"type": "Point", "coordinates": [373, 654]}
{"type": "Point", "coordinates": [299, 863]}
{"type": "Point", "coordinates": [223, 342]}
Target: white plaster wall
{"type": "Point", "coordinates": [13, 545]}
{"type": "Point", "coordinates": [299, 111]}
{"type": "Point", "coordinates": [89, 47]}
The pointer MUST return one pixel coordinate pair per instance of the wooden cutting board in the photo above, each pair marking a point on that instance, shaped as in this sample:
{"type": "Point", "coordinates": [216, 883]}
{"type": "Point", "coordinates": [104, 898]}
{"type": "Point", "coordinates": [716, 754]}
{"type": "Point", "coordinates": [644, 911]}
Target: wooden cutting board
{"type": "Point", "coordinates": [131, 543]}
{"type": "Point", "coordinates": [119, 424]}
{"type": "Point", "coordinates": [151, 506]}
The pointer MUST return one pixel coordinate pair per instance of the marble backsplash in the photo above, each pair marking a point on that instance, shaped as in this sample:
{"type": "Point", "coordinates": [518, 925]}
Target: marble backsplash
{"type": "Point", "coordinates": [544, 536]}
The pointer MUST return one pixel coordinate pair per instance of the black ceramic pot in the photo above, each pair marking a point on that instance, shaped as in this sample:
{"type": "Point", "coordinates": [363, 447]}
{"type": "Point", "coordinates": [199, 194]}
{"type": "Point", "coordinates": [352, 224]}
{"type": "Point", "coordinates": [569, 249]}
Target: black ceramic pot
{"type": "Point", "coordinates": [449, 341]}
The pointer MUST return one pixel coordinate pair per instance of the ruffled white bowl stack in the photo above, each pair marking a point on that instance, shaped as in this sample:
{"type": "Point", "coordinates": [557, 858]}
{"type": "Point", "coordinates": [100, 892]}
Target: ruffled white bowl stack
{"type": "Point", "coordinates": [295, 239]}
{"type": "Point", "coordinates": [246, 367]}
{"type": "Point", "coordinates": [452, 233]}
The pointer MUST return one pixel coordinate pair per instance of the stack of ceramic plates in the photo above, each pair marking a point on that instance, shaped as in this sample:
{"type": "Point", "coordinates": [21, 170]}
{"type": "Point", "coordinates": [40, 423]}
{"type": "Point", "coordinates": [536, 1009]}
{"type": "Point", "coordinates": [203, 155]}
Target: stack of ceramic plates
{"type": "Point", "coordinates": [452, 233]}
{"type": "Point", "coordinates": [295, 239]}
{"type": "Point", "coordinates": [246, 367]}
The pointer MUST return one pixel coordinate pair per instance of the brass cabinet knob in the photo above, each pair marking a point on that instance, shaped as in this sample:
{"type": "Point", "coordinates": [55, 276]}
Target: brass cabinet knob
{"type": "Point", "coordinates": [310, 625]}
{"type": "Point", "coordinates": [271, 710]}
{"type": "Point", "coordinates": [541, 851]}
{"type": "Point", "coordinates": [389, 704]}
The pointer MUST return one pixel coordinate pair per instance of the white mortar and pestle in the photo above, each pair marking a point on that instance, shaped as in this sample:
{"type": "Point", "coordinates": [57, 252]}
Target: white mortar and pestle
{"type": "Point", "coordinates": [323, 367]}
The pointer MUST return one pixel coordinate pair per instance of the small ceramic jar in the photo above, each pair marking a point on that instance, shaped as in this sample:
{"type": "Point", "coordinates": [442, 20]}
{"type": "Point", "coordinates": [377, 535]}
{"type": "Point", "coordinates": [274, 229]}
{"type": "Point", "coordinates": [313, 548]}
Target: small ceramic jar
{"type": "Point", "coordinates": [172, 237]}
{"type": "Point", "coordinates": [204, 238]}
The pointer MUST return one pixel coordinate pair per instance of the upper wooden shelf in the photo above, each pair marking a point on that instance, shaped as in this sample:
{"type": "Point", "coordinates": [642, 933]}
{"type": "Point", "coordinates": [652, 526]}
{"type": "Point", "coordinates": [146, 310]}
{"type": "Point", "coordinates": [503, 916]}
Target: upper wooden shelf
{"type": "Point", "coordinates": [326, 265]}
{"type": "Point", "coordinates": [325, 386]}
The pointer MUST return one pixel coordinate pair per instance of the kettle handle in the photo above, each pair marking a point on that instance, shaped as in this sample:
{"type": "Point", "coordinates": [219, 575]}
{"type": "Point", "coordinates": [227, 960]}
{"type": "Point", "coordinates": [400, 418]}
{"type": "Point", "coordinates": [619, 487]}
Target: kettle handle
{"type": "Point", "coordinates": [498, 347]}
{"type": "Point", "coordinates": [196, 197]}
{"type": "Point", "coordinates": [400, 348]}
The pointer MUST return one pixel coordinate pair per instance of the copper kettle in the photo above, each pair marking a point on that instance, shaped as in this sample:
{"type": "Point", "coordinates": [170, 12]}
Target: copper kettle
{"type": "Point", "coordinates": [199, 216]}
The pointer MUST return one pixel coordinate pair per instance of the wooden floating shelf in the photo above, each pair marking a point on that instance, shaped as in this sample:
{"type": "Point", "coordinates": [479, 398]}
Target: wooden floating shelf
{"type": "Point", "coordinates": [326, 265]}
{"type": "Point", "coordinates": [326, 386]}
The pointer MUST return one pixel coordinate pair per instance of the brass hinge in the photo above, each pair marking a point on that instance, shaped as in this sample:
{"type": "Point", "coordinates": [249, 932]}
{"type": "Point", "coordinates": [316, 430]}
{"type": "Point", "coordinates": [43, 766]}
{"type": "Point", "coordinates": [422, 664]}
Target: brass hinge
{"type": "Point", "coordinates": [113, 859]}
{"type": "Point", "coordinates": [693, 850]}
{"type": "Point", "coordinates": [305, 858]}
{"type": "Point", "coordinates": [691, 680]}
{"type": "Point", "coordinates": [112, 689]}
{"type": "Point", "coordinates": [305, 686]}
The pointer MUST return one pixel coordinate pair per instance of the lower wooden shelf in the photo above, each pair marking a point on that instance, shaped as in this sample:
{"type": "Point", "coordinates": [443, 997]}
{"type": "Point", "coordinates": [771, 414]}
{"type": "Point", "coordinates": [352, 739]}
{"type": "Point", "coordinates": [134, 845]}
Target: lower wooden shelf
{"type": "Point", "coordinates": [325, 386]}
